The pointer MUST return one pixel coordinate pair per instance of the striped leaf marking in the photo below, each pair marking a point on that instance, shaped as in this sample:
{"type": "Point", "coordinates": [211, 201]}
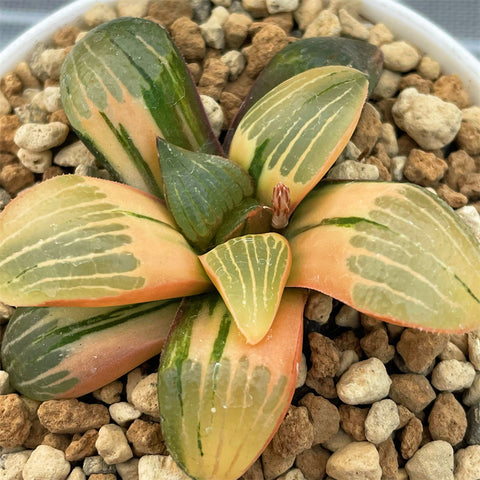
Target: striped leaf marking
{"type": "Point", "coordinates": [295, 132]}
{"type": "Point", "coordinates": [393, 251]}
{"type": "Point", "coordinates": [221, 400]}
{"type": "Point", "coordinates": [123, 85]}
{"type": "Point", "coordinates": [201, 190]}
{"type": "Point", "coordinates": [250, 273]}
{"type": "Point", "coordinates": [64, 352]}
{"type": "Point", "coordinates": [84, 241]}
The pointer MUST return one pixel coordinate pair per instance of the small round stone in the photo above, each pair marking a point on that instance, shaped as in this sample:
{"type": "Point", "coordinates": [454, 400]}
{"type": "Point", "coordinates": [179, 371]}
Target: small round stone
{"type": "Point", "coordinates": [355, 461]}
{"type": "Point", "coordinates": [447, 420]}
{"type": "Point", "coordinates": [432, 461]}
{"type": "Point", "coordinates": [453, 375]}
{"type": "Point", "coordinates": [467, 463]}
{"type": "Point", "coordinates": [364, 382]}
{"type": "Point", "coordinates": [112, 445]}
{"type": "Point", "coordinates": [381, 421]}
{"type": "Point", "coordinates": [46, 462]}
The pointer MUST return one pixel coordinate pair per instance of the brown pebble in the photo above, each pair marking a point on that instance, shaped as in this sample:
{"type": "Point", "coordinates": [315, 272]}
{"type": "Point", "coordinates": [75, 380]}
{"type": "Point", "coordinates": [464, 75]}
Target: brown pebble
{"type": "Point", "coordinates": [7, 158]}
{"type": "Point", "coordinates": [72, 416]}
{"type": "Point", "coordinates": [284, 20]}
{"type": "Point", "coordinates": [66, 36]}
{"type": "Point", "coordinates": [102, 476]}
{"type": "Point", "coordinates": [26, 76]}
{"type": "Point", "coordinates": [348, 341]}
{"type": "Point", "coordinates": [404, 415]}
{"type": "Point", "coordinates": [58, 116]}
{"type": "Point", "coordinates": [424, 168]}
{"type": "Point", "coordinates": [14, 422]}
{"type": "Point", "coordinates": [188, 38]}
{"type": "Point", "coordinates": [384, 108]}
{"type": "Point", "coordinates": [447, 420]}
{"type": "Point", "coordinates": [230, 104]}
{"type": "Point", "coordinates": [450, 89]}
{"type": "Point", "coordinates": [269, 40]}
{"type": "Point", "coordinates": [213, 79]}
{"type": "Point", "coordinates": [81, 446]}
{"type": "Point", "coordinates": [414, 80]}
{"type": "Point", "coordinates": [37, 434]}
{"type": "Point", "coordinates": [167, 11]}
{"type": "Point", "coordinates": [11, 85]}
{"type": "Point", "coordinates": [52, 171]}
{"type": "Point", "coordinates": [295, 433]}
{"type": "Point", "coordinates": [460, 166]}
{"type": "Point", "coordinates": [8, 126]}
{"type": "Point", "coordinates": [313, 462]}
{"type": "Point", "coordinates": [383, 172]}
{"type": "Point", "coordinates": [352, 421]}
{"type": "Point", "coordinates": [14, 177]}
{"type": "Point", "coordinates": [406, 144]}
{"type": "Point", "coordinates": [241, 86]}
{"type": "Point", "coordinates": [325, 355]}
{"type": "Point", "coordinates": [388, 459]}
{"type": "Point", "coordinates": [324, 386]}
{"type": "Point", "coordinates": [411, 438]}
{"type": "Point", "coordinates": [59, 441]}
{"type": "Point", "coordinates": [146, 438]}
{"type": "Point", "coordinates": [419, 348]}
{"type": "Point", "coordinates": [375, 344]}
{"type": "Point", "coordinates": [468, 138]}
{"type": "Point", "coordinates": [471, 187]}
{"type": "Point", "coordinates": [368, 129]}
{"type": "Point", "coordinates": [453, 198]}
{"type": "Point", "coordinates": [235, 29]}
{"type": "Point", "coordinates": [411, 390]}
{"type": "Point", "coordinates": [323, 415]}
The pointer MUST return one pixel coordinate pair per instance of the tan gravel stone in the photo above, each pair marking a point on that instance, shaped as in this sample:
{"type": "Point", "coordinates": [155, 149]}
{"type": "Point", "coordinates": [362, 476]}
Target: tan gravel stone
{"type": "Point", "coordinates": [447, 420]}
{"type": "Point", "coordinates": [188, 38]}
{"type": "Point", "coordinates": [14, 422]}
{"type": "Point", "coordinates": [411, 438]}
{"type": "Point", "coordinates": [412, 391]}
{"type": "Point", "coordinates": [325, 356]}
{"type": "Point", "coordinates": [424, 168]}
{"type": "Point", "coordinates": [313, 462]}
{"type": "Point", "coordinates": [450, 88]}
{"type": "Point", "coordinates": [352, 421]}
{"type": "Point", "coordinates": [81, 446]}
{"type": "Point", "coordinates": [146, 438]}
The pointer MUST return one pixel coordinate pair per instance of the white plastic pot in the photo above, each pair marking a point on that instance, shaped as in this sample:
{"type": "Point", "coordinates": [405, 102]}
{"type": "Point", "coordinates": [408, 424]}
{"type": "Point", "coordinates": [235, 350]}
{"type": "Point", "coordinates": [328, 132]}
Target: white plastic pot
{"type": "Point", "coordinates": [402, 21]}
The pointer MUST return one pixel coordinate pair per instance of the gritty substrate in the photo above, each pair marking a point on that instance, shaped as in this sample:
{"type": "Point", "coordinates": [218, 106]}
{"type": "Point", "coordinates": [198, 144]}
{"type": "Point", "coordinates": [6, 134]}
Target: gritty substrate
{"type": "Point", "coordinates": [374, 401]}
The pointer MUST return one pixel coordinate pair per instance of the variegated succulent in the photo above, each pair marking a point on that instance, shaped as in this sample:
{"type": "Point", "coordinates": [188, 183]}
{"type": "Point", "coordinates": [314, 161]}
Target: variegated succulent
{"type": "Point", "coordinates": [190, 252]}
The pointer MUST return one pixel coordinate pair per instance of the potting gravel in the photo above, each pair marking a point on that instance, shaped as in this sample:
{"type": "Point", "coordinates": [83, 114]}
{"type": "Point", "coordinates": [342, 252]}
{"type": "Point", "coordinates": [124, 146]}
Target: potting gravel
{"type": "Point", "coordinates": [374, 401]}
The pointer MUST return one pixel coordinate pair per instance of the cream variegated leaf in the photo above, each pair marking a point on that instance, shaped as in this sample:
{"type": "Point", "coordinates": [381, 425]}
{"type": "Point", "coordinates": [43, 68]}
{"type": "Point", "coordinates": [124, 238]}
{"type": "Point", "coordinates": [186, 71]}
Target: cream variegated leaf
{"type": "Point", "coordinates": [250, 273]}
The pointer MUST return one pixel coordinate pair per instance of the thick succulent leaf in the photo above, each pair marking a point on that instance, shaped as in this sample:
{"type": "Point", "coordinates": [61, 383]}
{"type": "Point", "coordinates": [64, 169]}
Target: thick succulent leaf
{"type": "Point", "coordinates": [82, 241]}
{"type": "Point", "coordinates": [249, 217]}
{"type": "Point", "coordinates": [294, 133]}
{"type": "Point", "coordinates": [124, 84]}
{"type": "Point", "coordinates": [250, 273]}
{"type": "Point", "coordinates": [309, 53]}
{"type": "Point", "coordinates": [200, 190]}
{"type": "Point", "coordinates": [393, 251]}
{"type": "Point", "coordinates": [65, 352]}
{"type": "Point", "coordinates": [221, 400]}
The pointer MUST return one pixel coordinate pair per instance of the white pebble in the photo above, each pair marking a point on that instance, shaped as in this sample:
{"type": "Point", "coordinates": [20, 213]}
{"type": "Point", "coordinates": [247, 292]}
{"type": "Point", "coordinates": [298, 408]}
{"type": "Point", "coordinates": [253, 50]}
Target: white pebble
{"type": "Point", "coordinates": [381, 421]}
{"type": "Point", "coordinates": [74, 155]}
{"type": "Point", "coordinates": [46, 463]}
{"type": "Point", "coordinates": [467, 463]}
{"type": "Point", "coordinates": [387, 85]}
{"type": "Point", "coordinates": [98, 14]}
{"type": "Point", "coordinates": [127, 8]}
{"type": "Point", "coordinates": [351, 26]}
{"type": "Point", "coordinates": [159, 467]}
{"type": "Point", "coordinates": [400, 56]}
{"type": "Point", "coordinates": [398, 165]}
{"type": "Point", "coordinates": [452, 352]}
{"type": "Point", "coordinates": [380, 34]}
{"type": "Point", "coordinates": [5, 387]}
{"type": "Point", "coordinates": [36, 162]}
{"type": "Point", "coordinates": [469, 214]}
{"type": "Point", "coordinates": [471, 396]}
{"type": "Point", "coordinates": [293, 474]}
{"type": "Point", "coordinates": [235, 61]}
{"type": "Point", "coordinates": [430, 121]}
{"type": "Point", "coordinates": [452, 375]}
{"type": "Point", "coordinates": [214, 113]}
{"type": "Point", "coordinates": [337, 441]}
{"type": "Point", "coordinates": [433, 461]}
{"type": "Point", "coordinates": [302, 372]}
{"type": "Point", "coordinates": [51, 99]}
{"type": "Point", "coordinates": [364, 382]}
{"type": "Point", "coordinates": [278, 6]}
{"type": "Point", "coordinates": [40, 137]}
{"type": "Point", "coordinates": [474, 348]}
{"type": "Point", "coordinates": [429, 68]}
{"type": "Point", "coordinates": [325, 24]}
{"type": "Point", "coordinates": [49, 63]}
{"type": "Point", "coordinates": [144, 396]}
{"type": "Point", "coordinates": [306, 12]}
{"type": "Point", "coordinates": [77, 474]}
{"type": "Point", "coordinates": [112, 445]}
{"type": "Point", "coordinates": [13, 464]}
{"type": "Point", "coordinates": [388, 137]}
{"type": "Point", "coordinates": [133, 378]}
{"type": "Point", "coordinates": [123, 413]}
{"type": "Point", "coordinates": [347, 358]}
{"type": "Point", "coordinates": [128, 470]}
{"type": "Point", "coordinates": [353, 170]}
{"type": "Point", "coordinates": [212, 33]}
{"type": "Point", "coordinates": [355, 461]}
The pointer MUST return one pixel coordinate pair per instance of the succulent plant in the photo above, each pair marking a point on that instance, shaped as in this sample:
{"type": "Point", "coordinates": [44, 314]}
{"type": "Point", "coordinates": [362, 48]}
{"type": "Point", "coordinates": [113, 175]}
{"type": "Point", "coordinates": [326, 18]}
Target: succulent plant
{"type": "Point", "coordinates": [207, 258]}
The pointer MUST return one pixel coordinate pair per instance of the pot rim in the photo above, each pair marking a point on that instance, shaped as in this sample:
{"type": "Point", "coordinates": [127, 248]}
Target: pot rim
{"type": "Point", "coordinates": [404, 23]}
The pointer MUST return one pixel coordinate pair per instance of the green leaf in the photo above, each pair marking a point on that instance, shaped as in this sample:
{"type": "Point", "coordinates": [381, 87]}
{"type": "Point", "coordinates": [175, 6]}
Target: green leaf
{"type": "Point", "coordinates": [294, 133]}
{"type": "Point", "coordinates": [249, 217]}
{"type": "Point", "coordinates": [307, 53]}
{"type": "Point", "coordinates": [65, 352]}
{"type": "Point", "coordinates": [124, 84]}
{"type": "Point", "coordinates": [221, 400]}
{"type": "Point", "coordinates": [250, 273]}
{"type": "Point", "coordinates": [92, 242]}
{"type": "Point", "coordinates": [401, 253]}
{"type": "Point", "coordinates": [200, 190]}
